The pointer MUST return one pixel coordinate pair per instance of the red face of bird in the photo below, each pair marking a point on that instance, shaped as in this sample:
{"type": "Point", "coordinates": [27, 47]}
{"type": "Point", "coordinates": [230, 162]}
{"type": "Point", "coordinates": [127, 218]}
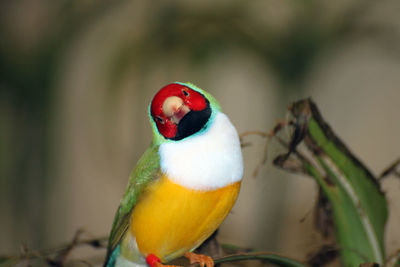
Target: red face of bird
{"type": "Point", "coordinates": [179, 111]}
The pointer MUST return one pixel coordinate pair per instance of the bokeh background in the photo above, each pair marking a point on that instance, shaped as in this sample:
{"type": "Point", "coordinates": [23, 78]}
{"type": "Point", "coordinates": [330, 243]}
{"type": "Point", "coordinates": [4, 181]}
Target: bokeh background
{"type": "Point", "coordinates": [76, 78]}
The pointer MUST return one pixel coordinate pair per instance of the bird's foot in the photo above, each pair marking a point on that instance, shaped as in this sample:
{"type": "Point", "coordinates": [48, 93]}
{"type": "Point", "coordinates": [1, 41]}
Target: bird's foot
{"type": "Point", "coordinates": [154, 261]}
{"type": "Point", "coordinates": [201, 259]}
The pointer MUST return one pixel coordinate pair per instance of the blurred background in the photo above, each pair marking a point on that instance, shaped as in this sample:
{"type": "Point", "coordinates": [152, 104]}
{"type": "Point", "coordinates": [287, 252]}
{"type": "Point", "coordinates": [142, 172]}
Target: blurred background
{"type": "Point", "coordinates": [76, 78]}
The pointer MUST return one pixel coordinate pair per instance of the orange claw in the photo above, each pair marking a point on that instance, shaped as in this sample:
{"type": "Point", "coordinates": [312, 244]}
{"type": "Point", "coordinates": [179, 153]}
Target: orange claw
{"type": "Point", "coordinates": [201, 259]}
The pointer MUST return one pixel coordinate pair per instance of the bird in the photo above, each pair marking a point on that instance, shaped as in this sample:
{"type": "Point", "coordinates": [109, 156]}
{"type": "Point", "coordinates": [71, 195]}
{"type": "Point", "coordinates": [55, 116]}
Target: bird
{"type": "Point", "coordinates": [183, 186]}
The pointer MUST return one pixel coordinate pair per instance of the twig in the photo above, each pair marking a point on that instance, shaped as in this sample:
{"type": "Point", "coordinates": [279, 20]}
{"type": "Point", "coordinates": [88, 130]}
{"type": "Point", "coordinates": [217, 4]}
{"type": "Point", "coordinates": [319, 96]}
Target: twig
{"type": "Point", "coordinates": [62, 256]}
{"type": "Point", "coordinates": [392, 169]}
{"type": "Point", "coordinates": [57, 256]}
{"type": "Point", "coordinates": [263, 256]}
{"type": "Point", "coordinates": [279, 125]}
{"type": "Point", "coordinates": [259, 133]}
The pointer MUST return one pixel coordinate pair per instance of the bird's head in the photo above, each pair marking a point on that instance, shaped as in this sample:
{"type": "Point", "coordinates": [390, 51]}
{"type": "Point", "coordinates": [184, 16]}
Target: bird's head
{"type": "Point", "coordinates": [181, 110]}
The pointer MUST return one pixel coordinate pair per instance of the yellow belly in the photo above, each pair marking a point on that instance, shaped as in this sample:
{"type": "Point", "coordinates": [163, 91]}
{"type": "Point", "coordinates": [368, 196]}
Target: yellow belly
{"type": "Point", "coordinates": [170, 219]}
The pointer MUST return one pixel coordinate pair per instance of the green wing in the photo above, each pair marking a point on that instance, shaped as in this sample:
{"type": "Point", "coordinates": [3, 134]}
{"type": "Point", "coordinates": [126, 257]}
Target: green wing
{"type": "Point", "coordinates": [146, 170]}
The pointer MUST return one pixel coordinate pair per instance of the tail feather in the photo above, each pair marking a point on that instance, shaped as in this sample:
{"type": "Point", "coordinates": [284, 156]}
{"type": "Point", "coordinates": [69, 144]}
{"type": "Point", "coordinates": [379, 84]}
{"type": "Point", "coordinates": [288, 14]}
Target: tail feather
{"type": "Point", "coordinates": [112, 257]}
{"type": "Point", "coordinates": [133, 259]}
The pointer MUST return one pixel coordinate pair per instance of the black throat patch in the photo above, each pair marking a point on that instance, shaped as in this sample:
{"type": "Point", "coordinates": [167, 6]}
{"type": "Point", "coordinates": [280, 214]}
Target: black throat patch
{"type": "Point", "coordinates": [192, 122]}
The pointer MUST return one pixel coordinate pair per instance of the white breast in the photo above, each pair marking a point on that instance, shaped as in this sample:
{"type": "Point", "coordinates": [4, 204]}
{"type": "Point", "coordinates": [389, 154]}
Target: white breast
{"type": "Point", "coordinates": [206, 161]}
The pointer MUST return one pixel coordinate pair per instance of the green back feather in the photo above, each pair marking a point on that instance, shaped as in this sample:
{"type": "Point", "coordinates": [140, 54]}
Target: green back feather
{"type": "Point", "coordinates": [146, 170]}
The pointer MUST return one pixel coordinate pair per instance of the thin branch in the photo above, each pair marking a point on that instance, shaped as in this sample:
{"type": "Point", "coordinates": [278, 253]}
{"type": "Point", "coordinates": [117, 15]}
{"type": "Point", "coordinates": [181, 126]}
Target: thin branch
{"type": "Point", "coordinates": [392, 169]}
{"type": "Point", "coordinates": [262, 256]}
{"type": "Point", "coordinates": [277, 128]}
{"type": "Point", "coordinates": [58, 255]}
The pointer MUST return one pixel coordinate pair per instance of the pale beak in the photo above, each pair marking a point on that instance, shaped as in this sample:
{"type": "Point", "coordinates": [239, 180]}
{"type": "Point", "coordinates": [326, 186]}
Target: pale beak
{"type": "Point", "coordinates": [174, 108]}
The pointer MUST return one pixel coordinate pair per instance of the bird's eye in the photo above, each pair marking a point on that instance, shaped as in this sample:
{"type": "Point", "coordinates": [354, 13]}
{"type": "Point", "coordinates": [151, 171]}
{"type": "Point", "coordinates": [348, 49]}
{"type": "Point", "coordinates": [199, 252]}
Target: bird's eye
{"type": "Point", "coordinates": [185, 92]}
{"type": "Point", "coordinates": [160, 120]}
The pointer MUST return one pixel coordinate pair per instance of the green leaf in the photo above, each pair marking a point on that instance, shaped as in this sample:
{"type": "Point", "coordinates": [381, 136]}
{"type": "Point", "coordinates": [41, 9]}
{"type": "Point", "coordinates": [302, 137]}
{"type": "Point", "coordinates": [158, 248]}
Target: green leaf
{"type": "Point", "coordinates": [358, 204]}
